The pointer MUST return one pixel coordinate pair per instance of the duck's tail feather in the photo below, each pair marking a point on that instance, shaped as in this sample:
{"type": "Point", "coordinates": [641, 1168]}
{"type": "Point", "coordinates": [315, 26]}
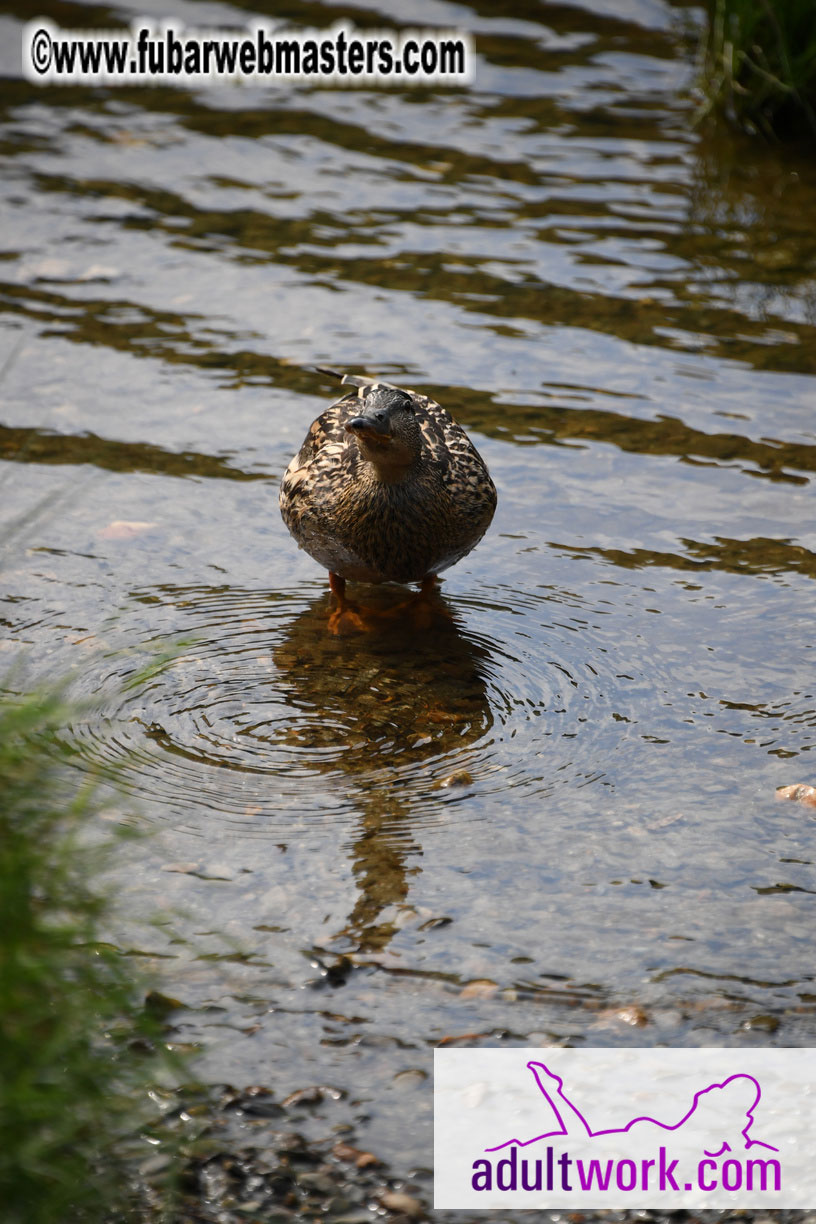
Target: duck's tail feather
{"type": "Point", "coordinates": [353, 380]}
{"type": "Point", "coordinates": [319, 369]}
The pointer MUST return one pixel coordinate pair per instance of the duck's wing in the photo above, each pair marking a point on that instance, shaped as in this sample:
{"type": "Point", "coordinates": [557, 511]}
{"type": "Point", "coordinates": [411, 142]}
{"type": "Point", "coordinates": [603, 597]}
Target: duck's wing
{"type": "Point", "coordinates": [450, 449]}
{"type": "Point", "coordinates": [328, 430]}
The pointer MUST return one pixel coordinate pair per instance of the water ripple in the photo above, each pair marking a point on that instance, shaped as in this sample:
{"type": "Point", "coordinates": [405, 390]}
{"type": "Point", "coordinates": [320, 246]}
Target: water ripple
{"type": "Point", "coordinates": [264, 716]}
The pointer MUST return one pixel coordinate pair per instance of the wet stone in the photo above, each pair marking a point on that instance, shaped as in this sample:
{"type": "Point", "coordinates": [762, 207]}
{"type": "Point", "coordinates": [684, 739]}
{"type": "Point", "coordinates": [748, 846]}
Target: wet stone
{"type": "Point", "coordinates": [412, 1078]}
{"type": "Point", "coordinates": [404, 1204]}
{"type": "Point", "coordinates": [316, 1183]}
{"type": "Point", "coordinates": [762, 1024]}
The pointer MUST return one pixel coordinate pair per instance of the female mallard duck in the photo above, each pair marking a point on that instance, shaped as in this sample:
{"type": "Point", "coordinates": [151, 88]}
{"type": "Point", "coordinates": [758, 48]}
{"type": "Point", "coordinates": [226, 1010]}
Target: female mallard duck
{"type": "Point", "coordinates": [386, 488]}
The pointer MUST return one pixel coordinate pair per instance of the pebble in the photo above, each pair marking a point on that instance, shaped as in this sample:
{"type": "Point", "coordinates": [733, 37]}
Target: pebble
{"type": "Point", "coordinates": [479, 989]}
{"type": "Point", "coordinates": [406, 1204]}
{"type": "Point", "coordinates": [799, 792]}
{"type": "Point", "coordinates": [459, 777]}
{"type": "Point", "coordinates": [634, 1015]}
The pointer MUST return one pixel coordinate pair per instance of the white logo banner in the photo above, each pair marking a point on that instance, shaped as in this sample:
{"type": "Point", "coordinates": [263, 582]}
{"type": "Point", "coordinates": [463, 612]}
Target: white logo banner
{"type": "Point", "coordinates": [656, 1128]}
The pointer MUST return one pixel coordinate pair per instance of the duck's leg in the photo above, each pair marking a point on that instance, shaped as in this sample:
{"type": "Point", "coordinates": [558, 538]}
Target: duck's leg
{"type": "Point", "coordinates": [338, 588]}
{"type": "Point", "coordinates": [345, 616]}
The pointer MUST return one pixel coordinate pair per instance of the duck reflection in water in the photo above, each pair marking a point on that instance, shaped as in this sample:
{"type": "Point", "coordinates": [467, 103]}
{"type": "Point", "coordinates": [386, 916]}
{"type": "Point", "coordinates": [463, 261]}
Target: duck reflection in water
{"type": "Point", "coordinates": [393, 713]}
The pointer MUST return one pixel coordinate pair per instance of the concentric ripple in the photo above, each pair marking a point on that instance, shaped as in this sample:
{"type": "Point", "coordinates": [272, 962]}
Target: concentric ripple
{"type": "Point", "coordinates": [262, 716]}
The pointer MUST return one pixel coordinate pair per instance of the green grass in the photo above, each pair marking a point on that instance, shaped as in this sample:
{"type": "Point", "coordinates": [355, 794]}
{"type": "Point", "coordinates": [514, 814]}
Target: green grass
{"type": "Point", "coordinates": [78, 1051]}
{"type": "Point", "coordinates": [760, 66]}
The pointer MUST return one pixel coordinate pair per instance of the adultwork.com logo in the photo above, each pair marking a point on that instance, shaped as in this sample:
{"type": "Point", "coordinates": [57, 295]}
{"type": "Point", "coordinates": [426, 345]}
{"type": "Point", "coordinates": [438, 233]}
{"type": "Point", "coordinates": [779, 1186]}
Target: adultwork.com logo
{"type": "Point", "coordinates": [713, 1125]}
{"type": "Point", "coordinates": [624, 1128]}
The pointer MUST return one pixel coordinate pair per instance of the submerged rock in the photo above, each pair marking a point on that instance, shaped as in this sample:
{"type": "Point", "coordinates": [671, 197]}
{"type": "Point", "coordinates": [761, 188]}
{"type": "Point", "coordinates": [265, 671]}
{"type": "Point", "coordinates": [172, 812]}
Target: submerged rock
{"type": "Point", "coordinates": [799, 792]}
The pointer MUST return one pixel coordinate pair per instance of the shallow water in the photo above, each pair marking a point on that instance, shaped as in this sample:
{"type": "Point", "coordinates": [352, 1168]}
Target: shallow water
{"type": "Point", "coordinates": [550, 815]}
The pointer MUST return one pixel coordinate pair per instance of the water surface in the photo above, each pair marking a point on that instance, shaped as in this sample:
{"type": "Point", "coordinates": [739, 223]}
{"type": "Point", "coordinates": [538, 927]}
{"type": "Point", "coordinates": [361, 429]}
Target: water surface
{"type": "Point", "coordinates": [550, 815]}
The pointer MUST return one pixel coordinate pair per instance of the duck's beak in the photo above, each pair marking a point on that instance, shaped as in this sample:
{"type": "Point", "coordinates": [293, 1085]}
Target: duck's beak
{"type": "Point", "coordinates": [374, 429]}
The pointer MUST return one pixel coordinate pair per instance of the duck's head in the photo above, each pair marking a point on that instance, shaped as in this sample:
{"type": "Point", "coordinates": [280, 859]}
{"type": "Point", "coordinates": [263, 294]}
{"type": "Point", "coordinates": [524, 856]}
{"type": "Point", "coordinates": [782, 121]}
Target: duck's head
{"type": "Point", "coordinates": [387, 432]}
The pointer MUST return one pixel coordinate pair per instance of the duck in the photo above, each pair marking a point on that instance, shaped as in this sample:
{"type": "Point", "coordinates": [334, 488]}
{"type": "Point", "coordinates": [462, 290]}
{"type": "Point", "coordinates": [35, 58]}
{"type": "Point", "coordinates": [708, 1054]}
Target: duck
{"type": "Point", "coordinates": [386, 488]}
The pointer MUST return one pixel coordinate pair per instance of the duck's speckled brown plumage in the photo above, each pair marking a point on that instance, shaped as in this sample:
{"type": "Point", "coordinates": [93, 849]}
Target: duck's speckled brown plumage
{"type": "Point", "coordinates": [361, 527]}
